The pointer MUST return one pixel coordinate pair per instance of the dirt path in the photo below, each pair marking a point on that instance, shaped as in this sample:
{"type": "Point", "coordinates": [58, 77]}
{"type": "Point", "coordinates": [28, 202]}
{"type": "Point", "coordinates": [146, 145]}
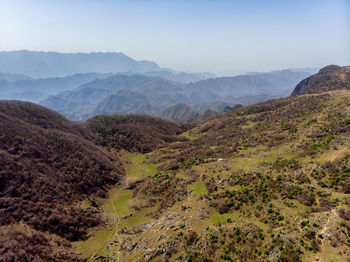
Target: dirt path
{"type": "Point", "coordinates": [333, 215]}
{"type": "Point", "coordinates": [336, 154]}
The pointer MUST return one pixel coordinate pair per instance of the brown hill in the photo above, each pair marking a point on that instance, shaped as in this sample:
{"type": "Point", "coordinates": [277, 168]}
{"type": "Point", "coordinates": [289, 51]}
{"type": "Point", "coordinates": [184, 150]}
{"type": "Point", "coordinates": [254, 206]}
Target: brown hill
{"type": "Point", "coordinates": [329, 78]}
{"type": "Point", "coordinates": [135, 133]}
{"type": "Point", "coordinates": [47, 165]}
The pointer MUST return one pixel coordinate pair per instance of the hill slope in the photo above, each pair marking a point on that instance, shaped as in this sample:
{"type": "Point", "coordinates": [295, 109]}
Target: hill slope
{"type": "Point", "coordinates": [135, 133]}
{"type": "Point", "coordinates": [329, 78]}
{"type": "Point", "coordinates": [264, 182]}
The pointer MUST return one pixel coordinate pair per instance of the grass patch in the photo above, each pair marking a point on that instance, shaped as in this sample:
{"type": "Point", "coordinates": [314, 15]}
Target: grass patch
{"type": "Point", "coordinates": [97, 243]}
{"type": "Point", "coordinates": [198, 187]}
{"type": "Point", "coordinates": [217, 218]}
{"type": "Point", "coordinates": [136, 166]}
{"type": "Point", "coordinates": [117, 202]}
{"type": "Point", "coordinates": [249, 124]}
{"type": "Point", "coordinates": [187, 135]}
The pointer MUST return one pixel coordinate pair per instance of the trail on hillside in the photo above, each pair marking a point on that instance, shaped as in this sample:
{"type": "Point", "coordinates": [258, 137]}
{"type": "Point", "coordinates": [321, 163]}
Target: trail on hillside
{"type": "Point", "coordinates": [333, 216]}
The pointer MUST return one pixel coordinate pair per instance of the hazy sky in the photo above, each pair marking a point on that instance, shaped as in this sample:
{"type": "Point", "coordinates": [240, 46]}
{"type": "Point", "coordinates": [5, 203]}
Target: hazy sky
{"type": "Point", "coordinates": [219, 36]}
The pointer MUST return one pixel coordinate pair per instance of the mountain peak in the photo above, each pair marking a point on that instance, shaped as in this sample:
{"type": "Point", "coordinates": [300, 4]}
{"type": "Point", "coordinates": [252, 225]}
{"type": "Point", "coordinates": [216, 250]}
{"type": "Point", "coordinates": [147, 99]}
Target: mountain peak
{"type": "Point", "coordinates": [331, 77]}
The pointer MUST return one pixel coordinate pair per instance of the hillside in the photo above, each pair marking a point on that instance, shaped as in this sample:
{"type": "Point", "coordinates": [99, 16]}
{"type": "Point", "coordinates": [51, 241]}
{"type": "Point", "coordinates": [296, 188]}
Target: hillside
{"type": "Point", "coordinates": [135, 133]}
{"type": "Point", "coordinates": [329, 78]}
{"type": "Point", "coordinates": [264, 182]}
{"type": "Point", "coordinates": [48, 164]}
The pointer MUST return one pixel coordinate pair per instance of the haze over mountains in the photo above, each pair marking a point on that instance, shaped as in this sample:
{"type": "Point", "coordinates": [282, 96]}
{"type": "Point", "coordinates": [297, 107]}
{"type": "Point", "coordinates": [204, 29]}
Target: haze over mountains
{"type": "Point", "coordinates": [83, 85]}
{"type": "Point", "coordinates": [35, 90]}
{"type": "Point", "coordinates": [159, 94]}
{"type": "Point", "coordinates": [52, 64]}
{"type": "Point", "coordinates": [37, 64]}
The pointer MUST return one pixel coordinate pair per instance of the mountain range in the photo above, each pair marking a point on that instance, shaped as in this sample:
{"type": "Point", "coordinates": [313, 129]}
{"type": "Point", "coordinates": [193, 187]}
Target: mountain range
{"type": "Point", "coordinates": [82, 85]}
{"type": "Point", "coordinates": [153, 95]}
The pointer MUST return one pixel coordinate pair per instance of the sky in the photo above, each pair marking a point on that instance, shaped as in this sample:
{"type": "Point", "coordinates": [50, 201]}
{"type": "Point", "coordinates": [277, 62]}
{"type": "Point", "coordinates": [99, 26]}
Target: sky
{"type": "Point", "coordinates": [219, 36]}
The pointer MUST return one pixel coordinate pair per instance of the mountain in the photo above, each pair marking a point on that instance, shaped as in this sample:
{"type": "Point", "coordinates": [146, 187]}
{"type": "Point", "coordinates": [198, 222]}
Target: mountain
{"type": "Point", "coordinates": [55, 174]}
{"type": "Point", "coordinates": [329, 78]}
{"type": "Point", "coordinates": [52, 64]}
{"type": "Point", "coordinates": [213, 93]}
{"type": "Point", "coordinates": [124, 102]}
{"type": "Point", "coordinates": [84, 101]}
{"type": "Point", "coordinates": [272, 84]}
{"type": "Point", "coordinates": [35, 90]}
{"type": "Point", "coordinates": [181, 113]}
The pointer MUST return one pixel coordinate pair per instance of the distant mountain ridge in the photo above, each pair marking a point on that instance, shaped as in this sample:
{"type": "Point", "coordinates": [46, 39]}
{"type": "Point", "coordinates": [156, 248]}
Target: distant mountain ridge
{"type": "Point", "coordinates": [39, 64]}
{"type": "Point", "coordinates": [35, 90]}
{"type": "Point", "coordinates": [10, 77]}
{"type": "Point", "coordinates": [24, 64]}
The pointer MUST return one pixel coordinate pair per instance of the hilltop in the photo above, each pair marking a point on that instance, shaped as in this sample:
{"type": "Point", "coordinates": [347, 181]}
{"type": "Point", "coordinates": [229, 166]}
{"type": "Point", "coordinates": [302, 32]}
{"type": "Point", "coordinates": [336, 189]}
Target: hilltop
{"type": "Point", "coordinates": [329, 78]}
